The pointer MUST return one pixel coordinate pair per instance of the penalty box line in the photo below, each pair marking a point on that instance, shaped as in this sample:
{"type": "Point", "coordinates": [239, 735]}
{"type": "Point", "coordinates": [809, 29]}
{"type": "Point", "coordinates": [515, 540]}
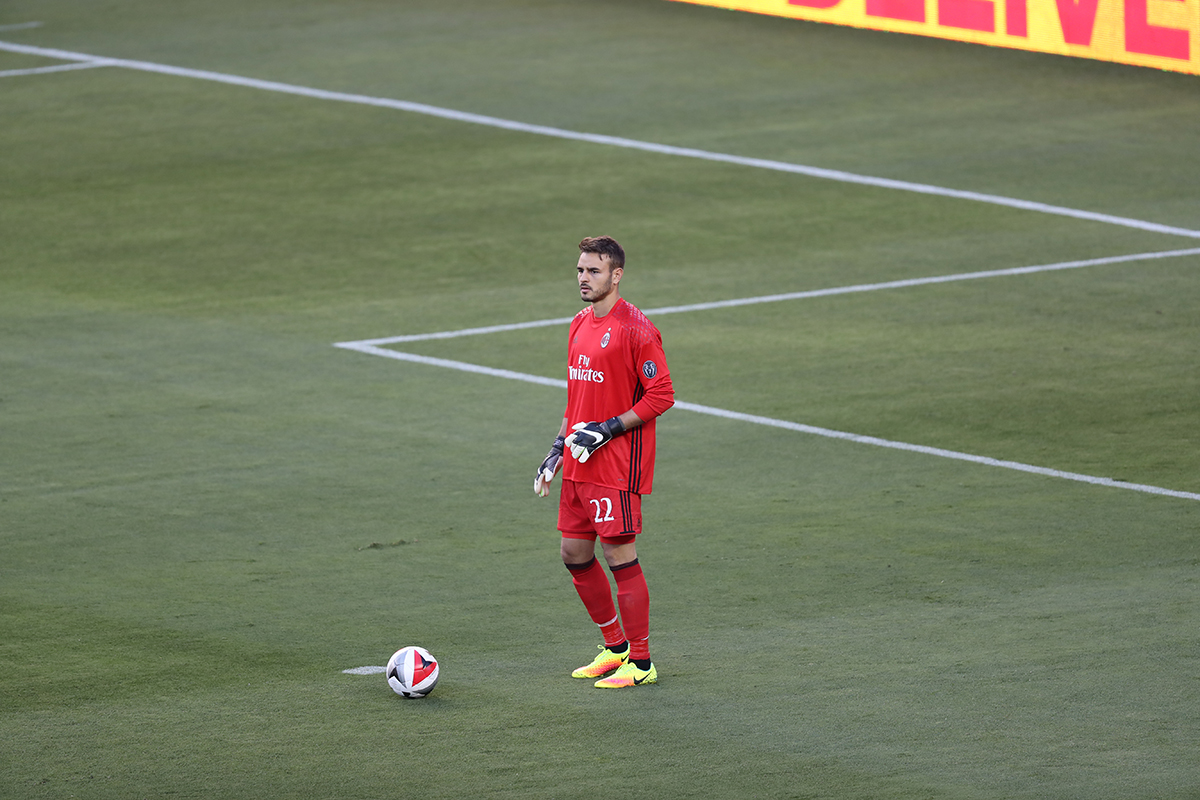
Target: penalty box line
{"type": "Point", "coordinates": [775, 298]}
{"type": "Point", "coordinates": [12, 73]}
{"type": "Point", "coordinates": [633, 144]}
{"type": "Point", "coordinates": [477, 369]}
{"type": "Point", "coordinates": [373, 347]}
{"type": "Point", "coordinates": [612, 141]}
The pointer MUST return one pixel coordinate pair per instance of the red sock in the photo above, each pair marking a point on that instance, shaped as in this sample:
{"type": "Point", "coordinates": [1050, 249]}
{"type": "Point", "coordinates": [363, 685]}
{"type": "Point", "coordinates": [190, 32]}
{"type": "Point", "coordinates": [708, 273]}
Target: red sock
{"type": "Point", "coordinates": [634, 599]}
{"type": "Point", "coordinates": [596, 594]}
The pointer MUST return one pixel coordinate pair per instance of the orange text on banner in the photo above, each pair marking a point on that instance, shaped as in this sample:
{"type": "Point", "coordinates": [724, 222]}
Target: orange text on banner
{"type": "Point", "coordinates": [1148, 33]}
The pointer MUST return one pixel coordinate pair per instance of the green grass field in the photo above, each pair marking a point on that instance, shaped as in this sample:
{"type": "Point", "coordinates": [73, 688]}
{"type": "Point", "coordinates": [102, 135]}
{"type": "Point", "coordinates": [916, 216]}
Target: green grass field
{"type": "Point", "coordinates": [208, 511]}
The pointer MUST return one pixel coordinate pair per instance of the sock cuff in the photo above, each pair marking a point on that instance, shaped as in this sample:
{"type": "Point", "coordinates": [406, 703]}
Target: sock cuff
{"type": "Point", "coordinates": [581, 567]}
{"type": "Point", "coordinates": [623, 572]}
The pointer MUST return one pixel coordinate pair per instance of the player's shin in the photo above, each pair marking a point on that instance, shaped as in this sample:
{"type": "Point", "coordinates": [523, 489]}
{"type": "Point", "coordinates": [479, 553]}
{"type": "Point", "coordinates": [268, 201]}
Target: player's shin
{"type": "Point", "coordinates": [633, 598]}
{"type": "Point", "coordinates": [596, 593]}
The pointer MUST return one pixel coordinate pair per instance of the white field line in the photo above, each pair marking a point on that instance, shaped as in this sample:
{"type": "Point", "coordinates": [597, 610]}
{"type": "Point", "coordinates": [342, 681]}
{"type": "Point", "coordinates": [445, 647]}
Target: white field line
{"type": "Point", "coordinates": [423, 337]}
{"type": "Point", "coordinates": [613, 141]}
{"type": "Point", "coordinates": [934, 451]}
{"type": "Point", "coordinates": [20, 26]}
{"type": "Point", "coordinates": [633, 144]}
{"type": "Point", "coordinates": [372, 347]}
{"type": "Point", "coordinates": [10, 73]}
{"type": "Point", "coordinates": [775, 298]}
{"type": "Point", "coordinates": [779, 423]}
{"type": "Point", "coordinates": [461, 366]}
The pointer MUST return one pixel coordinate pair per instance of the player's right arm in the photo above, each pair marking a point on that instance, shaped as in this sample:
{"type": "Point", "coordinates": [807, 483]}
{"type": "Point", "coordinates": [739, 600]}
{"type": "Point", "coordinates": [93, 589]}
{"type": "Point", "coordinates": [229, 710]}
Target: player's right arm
{"type": "Point", "coordinates": [551, 463]}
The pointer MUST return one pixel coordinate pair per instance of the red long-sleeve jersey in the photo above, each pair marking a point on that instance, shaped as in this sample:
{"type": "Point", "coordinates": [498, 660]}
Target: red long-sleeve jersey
{"type": "Point", "coordinates": [615, 363]}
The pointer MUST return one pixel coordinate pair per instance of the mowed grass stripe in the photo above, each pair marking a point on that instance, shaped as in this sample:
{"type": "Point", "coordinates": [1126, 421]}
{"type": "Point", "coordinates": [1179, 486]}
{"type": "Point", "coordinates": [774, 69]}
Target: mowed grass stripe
{"type": "Point", "coordinates": [614, 141]}
{"type": "Point", "coordinates": [203, 476]}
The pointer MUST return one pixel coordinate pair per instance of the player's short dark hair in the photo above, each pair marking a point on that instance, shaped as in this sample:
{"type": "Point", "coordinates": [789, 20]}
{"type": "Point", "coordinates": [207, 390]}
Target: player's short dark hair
{"type": "Point", "coordinates": [605, 247]}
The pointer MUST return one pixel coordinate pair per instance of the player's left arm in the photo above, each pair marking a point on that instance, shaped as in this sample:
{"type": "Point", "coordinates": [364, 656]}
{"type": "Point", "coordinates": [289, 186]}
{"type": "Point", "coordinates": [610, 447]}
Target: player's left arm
{"type": "Point", "coordinates": [658, 395]}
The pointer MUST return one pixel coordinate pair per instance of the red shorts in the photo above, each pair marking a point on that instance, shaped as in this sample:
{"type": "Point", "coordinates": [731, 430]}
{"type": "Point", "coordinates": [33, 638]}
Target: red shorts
{"type": "Point", "coordinates": [586, 511]}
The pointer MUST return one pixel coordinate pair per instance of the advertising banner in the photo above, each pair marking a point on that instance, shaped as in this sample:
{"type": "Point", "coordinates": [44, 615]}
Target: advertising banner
{"type": "Point", "coordinates": [1148, 33]}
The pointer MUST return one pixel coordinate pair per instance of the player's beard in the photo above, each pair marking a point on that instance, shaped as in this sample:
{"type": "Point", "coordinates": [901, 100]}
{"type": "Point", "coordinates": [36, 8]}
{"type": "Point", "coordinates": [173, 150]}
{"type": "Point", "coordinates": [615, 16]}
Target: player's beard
{"type": "Point", "coordinates": [596, 294]}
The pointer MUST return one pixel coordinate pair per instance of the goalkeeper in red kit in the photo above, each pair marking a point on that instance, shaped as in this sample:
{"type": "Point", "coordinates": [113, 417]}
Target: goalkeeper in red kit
{"type": "Point", "coordinates": [617, 384]}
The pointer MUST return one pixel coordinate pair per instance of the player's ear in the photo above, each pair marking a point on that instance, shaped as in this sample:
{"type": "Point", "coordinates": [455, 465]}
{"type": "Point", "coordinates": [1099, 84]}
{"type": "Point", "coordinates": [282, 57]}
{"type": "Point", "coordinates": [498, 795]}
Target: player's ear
{"type": "Point", "coordinates": [617, 272]}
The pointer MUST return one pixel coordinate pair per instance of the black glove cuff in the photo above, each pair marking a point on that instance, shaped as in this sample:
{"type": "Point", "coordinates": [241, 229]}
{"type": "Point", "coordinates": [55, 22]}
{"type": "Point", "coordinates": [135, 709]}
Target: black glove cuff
{"type": "Point", "coordinates": [615, 426]}
{"type": "Point", "coordinates": [560, 443]}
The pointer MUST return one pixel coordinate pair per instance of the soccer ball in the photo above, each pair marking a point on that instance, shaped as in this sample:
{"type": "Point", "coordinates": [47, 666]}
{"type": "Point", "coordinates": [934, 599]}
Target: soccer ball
{"type": "Point", "coordinates": [412, 672]}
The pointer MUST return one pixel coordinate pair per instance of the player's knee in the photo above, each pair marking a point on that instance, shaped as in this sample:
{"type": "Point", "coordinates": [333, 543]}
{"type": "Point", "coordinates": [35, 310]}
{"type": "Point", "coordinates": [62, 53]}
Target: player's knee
{"type": "Point", "coordinates": [577, 551]}
{"type": "Point", "coordinates": [620, 552]}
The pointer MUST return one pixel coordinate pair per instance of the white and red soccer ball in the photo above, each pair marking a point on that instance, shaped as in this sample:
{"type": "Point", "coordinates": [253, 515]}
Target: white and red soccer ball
{"type": "Point", "coordinates": [412, 672]}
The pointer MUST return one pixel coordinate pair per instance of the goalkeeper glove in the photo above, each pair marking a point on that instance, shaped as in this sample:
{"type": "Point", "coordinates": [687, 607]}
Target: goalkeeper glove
{"type": "Point", "coordinates": [545, 473]}
{"type": "Point", "coordinates": [591, 436]}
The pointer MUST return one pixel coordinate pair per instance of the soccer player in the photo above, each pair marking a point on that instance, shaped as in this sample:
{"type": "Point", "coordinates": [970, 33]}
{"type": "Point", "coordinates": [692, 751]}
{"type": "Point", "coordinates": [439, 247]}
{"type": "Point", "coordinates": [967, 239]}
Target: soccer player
{"type": "Point", "coordinates": [617, 384]}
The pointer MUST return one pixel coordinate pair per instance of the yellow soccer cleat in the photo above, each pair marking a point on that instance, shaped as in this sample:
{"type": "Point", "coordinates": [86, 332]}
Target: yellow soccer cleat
{"type": "Point", "coordinates": [602, 664]}
{"type": "Point", "coordinates": [628, 675]}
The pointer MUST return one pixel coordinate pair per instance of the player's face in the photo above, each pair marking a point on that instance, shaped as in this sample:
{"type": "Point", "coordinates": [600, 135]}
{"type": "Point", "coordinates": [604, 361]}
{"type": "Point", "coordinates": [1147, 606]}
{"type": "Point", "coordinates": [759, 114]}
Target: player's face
{"type": "Point", "coordinates": [597, 281]}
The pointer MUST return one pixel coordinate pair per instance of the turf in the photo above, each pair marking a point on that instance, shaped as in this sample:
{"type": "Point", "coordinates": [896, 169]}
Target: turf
{"type": "Point", "coordinates": [207, 512]}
